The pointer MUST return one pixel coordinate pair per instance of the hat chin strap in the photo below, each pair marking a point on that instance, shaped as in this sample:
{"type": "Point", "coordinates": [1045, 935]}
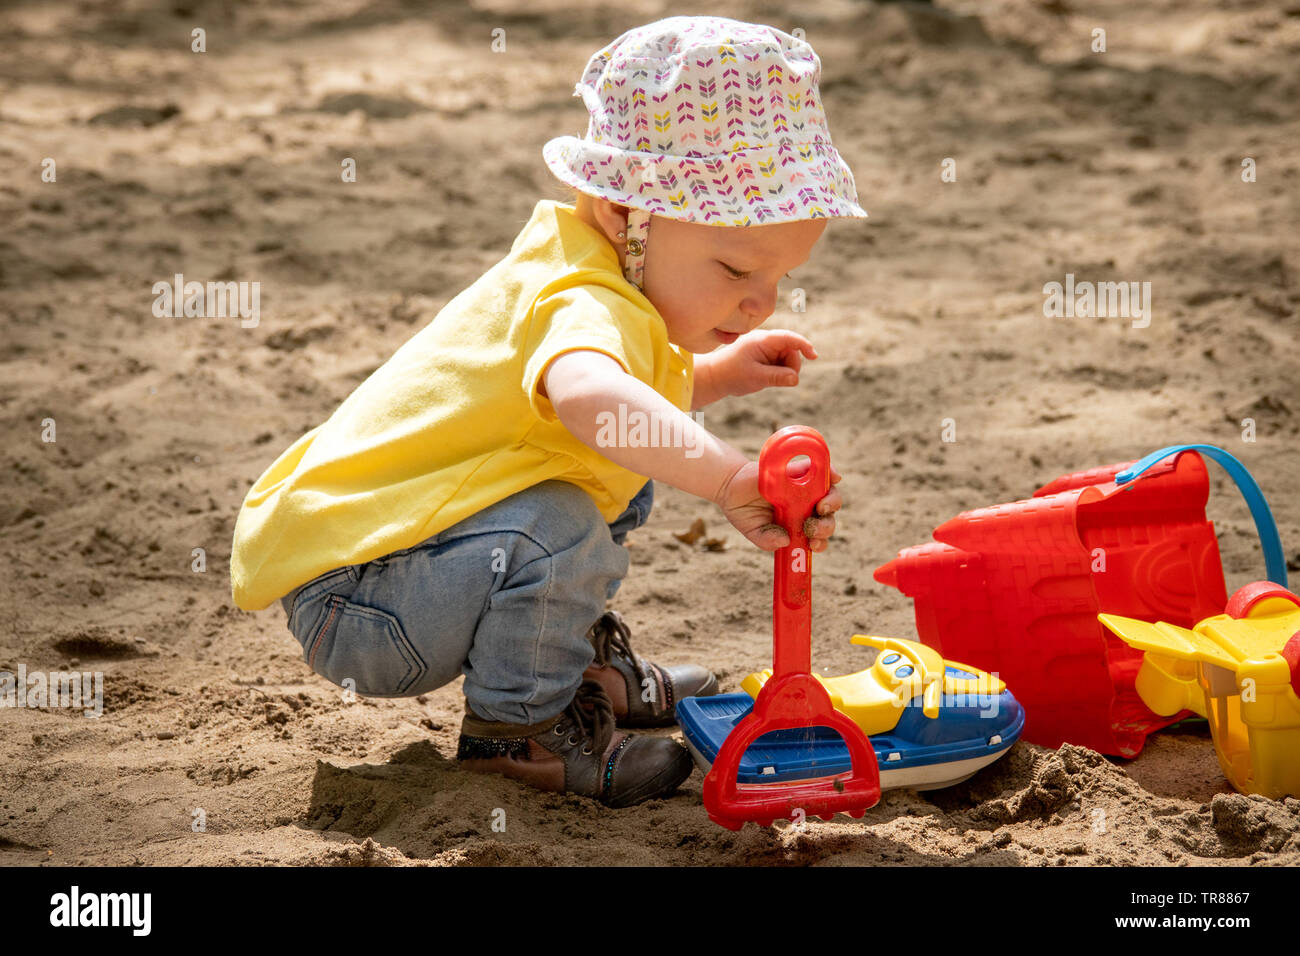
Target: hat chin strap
{"type": "Point", "coordinates": [638, 227]}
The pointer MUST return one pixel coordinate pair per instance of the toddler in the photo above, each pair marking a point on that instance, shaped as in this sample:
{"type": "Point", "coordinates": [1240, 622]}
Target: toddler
{"type": "Point", "coordinates": [463, 511]}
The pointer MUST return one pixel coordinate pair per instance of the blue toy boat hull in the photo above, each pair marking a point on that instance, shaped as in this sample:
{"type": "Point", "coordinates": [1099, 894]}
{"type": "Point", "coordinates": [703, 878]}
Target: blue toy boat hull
{"type": "Point", "coordinates": [919, 753]}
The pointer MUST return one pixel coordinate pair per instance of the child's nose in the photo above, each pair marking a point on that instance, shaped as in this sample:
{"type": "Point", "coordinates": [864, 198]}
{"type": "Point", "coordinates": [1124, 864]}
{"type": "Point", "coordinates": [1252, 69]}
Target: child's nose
{"type": "Point", "coordinates": [758, 308]}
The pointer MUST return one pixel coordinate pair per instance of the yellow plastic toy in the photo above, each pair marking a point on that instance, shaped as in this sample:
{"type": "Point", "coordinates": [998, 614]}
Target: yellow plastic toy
{"type": "Point", "coordinates": [871, 698]}
{"type": "Point", "coordinates": [1241, 672]}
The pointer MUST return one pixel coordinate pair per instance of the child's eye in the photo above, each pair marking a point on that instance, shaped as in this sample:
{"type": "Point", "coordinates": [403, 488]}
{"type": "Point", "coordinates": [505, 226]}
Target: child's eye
{"type": "Point", "coordinates": [741, 275]}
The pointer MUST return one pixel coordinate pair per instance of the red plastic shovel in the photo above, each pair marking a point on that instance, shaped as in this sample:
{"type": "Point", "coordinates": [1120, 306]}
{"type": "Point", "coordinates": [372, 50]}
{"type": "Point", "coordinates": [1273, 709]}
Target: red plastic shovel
{"type": "Point", "coordinates": [792, 697]}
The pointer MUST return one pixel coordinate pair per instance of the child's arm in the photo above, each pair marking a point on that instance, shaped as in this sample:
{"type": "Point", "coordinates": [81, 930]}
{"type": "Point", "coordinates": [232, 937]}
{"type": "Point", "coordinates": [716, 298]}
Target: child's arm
{"type": "Point", "coordinates": [759, 359]}
{"type": "Point", "coordinates": [583, 384]}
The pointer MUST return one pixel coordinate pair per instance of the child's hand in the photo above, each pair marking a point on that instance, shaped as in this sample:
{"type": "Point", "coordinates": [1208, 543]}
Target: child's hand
{"type": "Point", "coordinates": [751, 514]}
{"type": "Point", "coordinates": [761, 359]}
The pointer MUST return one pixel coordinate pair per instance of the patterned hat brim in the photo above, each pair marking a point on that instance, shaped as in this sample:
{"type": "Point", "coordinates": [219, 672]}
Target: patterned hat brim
{"type": "Point", "coordinates": [758, 186]}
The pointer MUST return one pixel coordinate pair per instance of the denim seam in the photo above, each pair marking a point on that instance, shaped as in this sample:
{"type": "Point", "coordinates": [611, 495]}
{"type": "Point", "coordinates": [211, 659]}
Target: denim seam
{"type": "Point", "coordinates": [334, 602]}
{"type": "Point", "coordinates": [537, 638]}
{"type": "Point", "coordinates": [348, 571]}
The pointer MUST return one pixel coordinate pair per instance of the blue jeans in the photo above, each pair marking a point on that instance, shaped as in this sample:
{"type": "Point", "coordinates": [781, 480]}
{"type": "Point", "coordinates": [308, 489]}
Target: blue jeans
{"type": "Point", "coordinates": [504, 597]}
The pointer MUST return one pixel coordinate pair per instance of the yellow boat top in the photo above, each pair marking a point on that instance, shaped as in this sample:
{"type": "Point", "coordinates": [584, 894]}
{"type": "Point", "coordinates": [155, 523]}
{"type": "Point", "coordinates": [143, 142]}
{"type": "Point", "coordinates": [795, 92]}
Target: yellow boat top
{"type": "Point", "coordinates": [874, 698]}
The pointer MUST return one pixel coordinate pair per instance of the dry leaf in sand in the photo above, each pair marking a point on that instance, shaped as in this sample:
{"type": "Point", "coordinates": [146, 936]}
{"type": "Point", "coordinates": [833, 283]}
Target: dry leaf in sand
{"type": "Point", "coordinates": [695, 533]}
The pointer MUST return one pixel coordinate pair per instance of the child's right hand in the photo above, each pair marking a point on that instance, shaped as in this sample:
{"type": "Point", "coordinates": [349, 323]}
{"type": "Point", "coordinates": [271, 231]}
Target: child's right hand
{"type": "Point", "coordinates": [751, 514]}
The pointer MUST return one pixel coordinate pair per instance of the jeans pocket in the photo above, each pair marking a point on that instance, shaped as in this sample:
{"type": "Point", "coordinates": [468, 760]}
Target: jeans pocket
{"type": "Point", "coordinates": [311, 591]}
{"type": "Point", "coordinates": [365, 646]}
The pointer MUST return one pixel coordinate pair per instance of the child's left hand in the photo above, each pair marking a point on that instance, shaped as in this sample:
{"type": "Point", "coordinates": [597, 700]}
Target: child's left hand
{"type": "Point", "coordinates": [751, 514]}
{"type": "Point", "coordinates": [761, 359]}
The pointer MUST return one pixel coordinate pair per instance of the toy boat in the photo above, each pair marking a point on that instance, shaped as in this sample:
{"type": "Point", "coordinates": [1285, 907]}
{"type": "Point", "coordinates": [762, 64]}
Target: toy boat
{"type": "Point", "coordinates": [1239, 670]}
{"type": "Point", "coordinates": [930, 723]}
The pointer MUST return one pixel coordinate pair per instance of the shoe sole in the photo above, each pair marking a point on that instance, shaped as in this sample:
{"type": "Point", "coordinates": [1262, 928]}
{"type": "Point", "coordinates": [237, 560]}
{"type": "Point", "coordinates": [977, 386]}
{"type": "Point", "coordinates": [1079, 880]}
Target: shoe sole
{"type": "Point", "coordinates": [661, 784]}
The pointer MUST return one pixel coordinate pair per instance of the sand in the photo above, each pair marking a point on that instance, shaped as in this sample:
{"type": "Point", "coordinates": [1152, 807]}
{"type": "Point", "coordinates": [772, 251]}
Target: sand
{"type": "Point", "coordinates": [217, 745]}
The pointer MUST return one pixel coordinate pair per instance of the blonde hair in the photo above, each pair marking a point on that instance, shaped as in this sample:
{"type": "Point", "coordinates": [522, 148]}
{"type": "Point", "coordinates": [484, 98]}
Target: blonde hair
{"type": "Point", "coordinates": [563, 192]}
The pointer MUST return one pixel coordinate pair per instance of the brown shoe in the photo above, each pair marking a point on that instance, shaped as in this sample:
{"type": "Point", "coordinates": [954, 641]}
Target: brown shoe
{"type": "Point", "coordinates": [644, 694]}
{"type": "Point", "coordinates": [577, 752]}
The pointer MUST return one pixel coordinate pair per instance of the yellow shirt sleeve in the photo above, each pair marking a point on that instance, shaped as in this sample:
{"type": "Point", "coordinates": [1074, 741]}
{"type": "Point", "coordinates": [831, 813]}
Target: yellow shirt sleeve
{"type": "Point", "coordinates": [585, 317]}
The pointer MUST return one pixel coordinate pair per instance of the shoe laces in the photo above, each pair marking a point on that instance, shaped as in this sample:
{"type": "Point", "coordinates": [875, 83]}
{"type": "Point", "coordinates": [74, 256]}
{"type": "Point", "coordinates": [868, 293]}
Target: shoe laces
{"type": "Point", "coordinates": [591, 715]}
{"type": "Point", "coordinates": [610, 634]}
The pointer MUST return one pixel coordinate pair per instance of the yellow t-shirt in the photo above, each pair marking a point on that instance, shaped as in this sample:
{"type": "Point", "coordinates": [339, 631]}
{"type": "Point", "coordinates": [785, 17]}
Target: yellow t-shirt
{"type": "Point", "coordinates": [453, 422]}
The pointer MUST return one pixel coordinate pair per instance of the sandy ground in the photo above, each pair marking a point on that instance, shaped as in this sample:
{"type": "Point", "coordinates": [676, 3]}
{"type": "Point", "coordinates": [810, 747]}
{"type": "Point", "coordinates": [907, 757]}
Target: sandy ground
{"type": "Point", "coordinates": [1123, 165]}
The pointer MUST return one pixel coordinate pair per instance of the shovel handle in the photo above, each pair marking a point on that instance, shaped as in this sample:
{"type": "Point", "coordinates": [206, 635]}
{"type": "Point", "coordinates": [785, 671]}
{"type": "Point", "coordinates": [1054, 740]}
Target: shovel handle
{"type": "Point", "coordinates": [793, 499]}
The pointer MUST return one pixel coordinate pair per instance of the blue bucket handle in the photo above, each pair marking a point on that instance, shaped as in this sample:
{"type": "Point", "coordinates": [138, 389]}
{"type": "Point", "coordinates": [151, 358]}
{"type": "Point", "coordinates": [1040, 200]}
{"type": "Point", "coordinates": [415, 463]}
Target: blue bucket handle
{"type": "Point", "coordinates": [1269, 538]}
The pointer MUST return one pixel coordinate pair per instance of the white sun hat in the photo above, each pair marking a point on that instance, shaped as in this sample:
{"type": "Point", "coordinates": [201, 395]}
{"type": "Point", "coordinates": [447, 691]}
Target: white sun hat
{"type": "Point", "coordinates": [705, 120]}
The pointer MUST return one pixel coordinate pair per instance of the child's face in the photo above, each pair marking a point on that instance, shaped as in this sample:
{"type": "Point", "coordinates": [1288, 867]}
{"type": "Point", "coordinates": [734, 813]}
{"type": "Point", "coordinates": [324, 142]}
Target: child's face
{"type": "Point", "coordinates": [691, 276]}
{"type": "Point", "coordinates": [687, 276]}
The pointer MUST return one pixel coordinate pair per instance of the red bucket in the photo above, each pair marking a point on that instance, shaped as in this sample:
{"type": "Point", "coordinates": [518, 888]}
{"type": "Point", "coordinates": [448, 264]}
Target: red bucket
{"type": "Point", "coordinates": [1015, 589]}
